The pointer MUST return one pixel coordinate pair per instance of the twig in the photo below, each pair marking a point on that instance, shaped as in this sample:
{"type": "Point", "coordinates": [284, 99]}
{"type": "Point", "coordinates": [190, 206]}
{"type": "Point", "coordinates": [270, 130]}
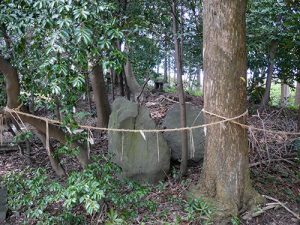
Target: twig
{"type": "Point", "coordinates": [250, 215]}
{"type": "Point", "coordinates": [272, 160]}
{"type": "Point", "coordinates": [283, 205]}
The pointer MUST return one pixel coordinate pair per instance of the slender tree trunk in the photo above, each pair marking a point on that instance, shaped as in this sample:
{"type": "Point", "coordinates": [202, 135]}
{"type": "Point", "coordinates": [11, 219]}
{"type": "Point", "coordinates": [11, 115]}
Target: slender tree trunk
{"type": "Point", "coordinates": [113, 76]}
{"type": "Point", "coordinates": [127, 89]}
{"type": "Point", "coordinates": [225, 179]}
{"type": "Point", "coordinates": [100, 96]}
{"type": "Point", "coordinates": [180, 91]}
{"type": "Point", "coordinates": [166, 70]}
{"type": "Point", "coordinates": [121, 83]}
{"type": "Point", "coordinates": [132, 83]}
{"type": "Point", "coordinates": [285, 94]}
{"type": "Point", "coordinates": [54, 160]}
{"type": "Point", "coordinates": [13, 93]}
{"type": "Point", "coordinates": [88, 92]}
{"type": "Point", "coordinates": [57, 108]}
{"type": "Point", "coordinates": [297, 97]}
{"type": "Point", "coordinates": [169, 69]}
{"type": "Point", "coordinates": [266, 96]}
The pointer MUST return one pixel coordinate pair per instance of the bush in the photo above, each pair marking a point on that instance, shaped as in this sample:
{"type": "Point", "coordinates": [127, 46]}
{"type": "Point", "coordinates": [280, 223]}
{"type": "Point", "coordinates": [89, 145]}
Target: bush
{"type": "Point", "coordinates": [82, 195]}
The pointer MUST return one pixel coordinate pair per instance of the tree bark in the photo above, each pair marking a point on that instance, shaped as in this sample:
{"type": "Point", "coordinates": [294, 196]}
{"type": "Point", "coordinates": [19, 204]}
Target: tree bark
{"type": "Point", "coordinates": [121, 83]}
{"type": "Point", "coordinates": [285, 94]}
{"type": "Point", "coordinates": [54, 160]}
{"type": "Point", "coordinates": [297, 97]}
{"type": "Point", "coordinates": [166, 70]}
{"type": "Point", "coordinates": [100, 96]}
{"type": "Point", "coordinates": [266, 96]}
{"type": "Point", "coordinates": [132, 83]}
{"type": "Point", "coordinates": [88, 91]}
{"type": "Point", "coordinates": [112, 77]}
{"type": "Point", "coordinates": [180, 91]}
{"type": "Point", "coordinates": [13, 93]}
{"type": "Point", "coordinates": [12, 83]}
{"type": "Point", "coordinates": [225, 179]}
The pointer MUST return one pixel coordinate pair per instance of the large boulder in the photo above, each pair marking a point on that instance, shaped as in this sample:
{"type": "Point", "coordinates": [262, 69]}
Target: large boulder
{"type": "Point", "coordinates": [194, 117]}
{"type": "Point", "coordinates": [3, 204]}
{"type": "Point", "coordinates": [141, 156]}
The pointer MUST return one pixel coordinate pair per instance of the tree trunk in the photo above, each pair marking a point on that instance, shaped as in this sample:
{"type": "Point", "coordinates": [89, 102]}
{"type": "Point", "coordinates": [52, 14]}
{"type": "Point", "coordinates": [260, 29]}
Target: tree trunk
{"type": "Point", "coordinates": [225, 179]}
{"type": "Point", "coordinates": [297, 97]}
{"type": "Point", "coordinates": [121, 83]}
{"type": "Point", "coordinates": [266, 96]}
{"type": "Point", "coordinates": [285, 94]}
{"type": "Point", "coordinates": [13, 93]}
{"type": "Point", "coordinates": [100, 96]}
{"type": "Point", "coordinates": [54, 160]}
{"type": "Point", "coordinates": [88, 91]}
{"type": "Point", "coordinates": [127, 89]}
{"type": "Point", "coordinates": [12, 83]}
{"type": "Point", "coordinates": [180, 91]}
{"type": "Point", "coordinates": [112, 77]}
{"type": "Point", "coordinates": [132, 83]}
{"type": "Point", "coordinates": [57, 108]}
{"type": "Point", "coordinates": [166, 70]}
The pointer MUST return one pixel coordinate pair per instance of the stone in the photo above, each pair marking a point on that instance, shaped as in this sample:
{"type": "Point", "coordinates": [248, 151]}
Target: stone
{"type": "Point", "coordinates": [3, 204]}
{"type": "Point", "coordinates": [144, 157]}
{"type": "Point", "coordinates": [172, 120]}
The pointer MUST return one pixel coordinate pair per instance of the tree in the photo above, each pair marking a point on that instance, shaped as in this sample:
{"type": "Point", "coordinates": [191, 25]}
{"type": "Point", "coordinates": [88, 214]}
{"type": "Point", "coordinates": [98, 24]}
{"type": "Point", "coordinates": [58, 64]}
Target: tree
{"type": "Point", "coordinates": [180, 91]}
{"type": "Point", "coordinates": [225, 179]}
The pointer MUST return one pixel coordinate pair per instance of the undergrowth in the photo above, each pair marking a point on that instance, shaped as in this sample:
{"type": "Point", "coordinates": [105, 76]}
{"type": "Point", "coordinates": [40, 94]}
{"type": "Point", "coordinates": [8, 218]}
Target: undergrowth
{"type": "Point", "coordinates": [94, 191]}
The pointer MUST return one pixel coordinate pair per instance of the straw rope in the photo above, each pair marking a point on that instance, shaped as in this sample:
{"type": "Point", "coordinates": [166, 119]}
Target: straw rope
{"type": "Point", "coordinates": [56, 122]}
{"type": "Point", "coordinates": [157, 131]}
{"type": "Point", "coordinates": [224, 119]}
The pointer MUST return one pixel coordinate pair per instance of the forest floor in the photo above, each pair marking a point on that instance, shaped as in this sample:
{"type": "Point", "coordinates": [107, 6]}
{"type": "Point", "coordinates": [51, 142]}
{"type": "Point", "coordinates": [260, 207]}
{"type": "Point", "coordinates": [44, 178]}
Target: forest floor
{"type": "Point", "coordinates": [273, 158]}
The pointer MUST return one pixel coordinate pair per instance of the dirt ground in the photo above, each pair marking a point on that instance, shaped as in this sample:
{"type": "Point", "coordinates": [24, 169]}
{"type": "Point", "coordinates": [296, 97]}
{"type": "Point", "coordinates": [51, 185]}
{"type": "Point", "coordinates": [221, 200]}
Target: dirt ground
{"type": "Point", "coordinates": [277, 179]}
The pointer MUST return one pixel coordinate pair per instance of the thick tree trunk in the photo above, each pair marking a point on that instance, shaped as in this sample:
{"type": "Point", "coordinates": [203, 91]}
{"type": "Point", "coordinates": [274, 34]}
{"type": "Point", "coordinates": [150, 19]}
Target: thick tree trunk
{"type": "Point", "coordinates": [13, 92]}
{"type": "Point", "coordinates": [266, 96]}
{"type": "Point", "coordinates": [100, 96]}
{"type": "Point", "coordinates": [225, 179]}
{"type": "Point", "coordinates": [132, 83]}
{"type": "Point", "coordinates": [180, 91]}
{"type": "Point", "coordinates": [12, 83]}
{"type": "Point", "coordinates": [285, 94]}
{"type": "Point", "coordinates": [297, 97]}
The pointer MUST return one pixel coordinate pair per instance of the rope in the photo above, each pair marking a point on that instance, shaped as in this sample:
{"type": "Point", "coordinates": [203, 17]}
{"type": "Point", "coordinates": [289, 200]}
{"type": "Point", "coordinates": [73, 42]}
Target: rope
{"type": "Point", "coordinates": [224, 119]}
{"type": "Point", "coordinates": [127, 130]}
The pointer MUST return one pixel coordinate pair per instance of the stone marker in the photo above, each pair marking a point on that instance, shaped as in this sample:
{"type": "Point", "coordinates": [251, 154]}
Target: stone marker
{"type": "Point", "coordinates": [3, 204]}
{"type": "Point", "coordinates": [141, 156]}
{"type": "Point", "coordinates": [172, 120]}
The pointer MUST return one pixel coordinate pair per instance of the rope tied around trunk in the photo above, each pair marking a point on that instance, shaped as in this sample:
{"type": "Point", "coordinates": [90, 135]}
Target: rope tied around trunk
{"type": "Point", "coordinates": [142, 131]}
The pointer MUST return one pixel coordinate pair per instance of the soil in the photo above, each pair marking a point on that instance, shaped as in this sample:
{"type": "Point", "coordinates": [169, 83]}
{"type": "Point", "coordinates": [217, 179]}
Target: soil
{"type": "Point", "coordinates": [278, 179]}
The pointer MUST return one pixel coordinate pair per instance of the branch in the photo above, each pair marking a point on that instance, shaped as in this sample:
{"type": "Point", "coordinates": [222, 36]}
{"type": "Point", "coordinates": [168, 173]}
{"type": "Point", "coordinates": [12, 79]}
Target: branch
{"type": "Point", "coordinates": [144, 85]}
{"type": "Point", "coordinates": [283, 205]}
